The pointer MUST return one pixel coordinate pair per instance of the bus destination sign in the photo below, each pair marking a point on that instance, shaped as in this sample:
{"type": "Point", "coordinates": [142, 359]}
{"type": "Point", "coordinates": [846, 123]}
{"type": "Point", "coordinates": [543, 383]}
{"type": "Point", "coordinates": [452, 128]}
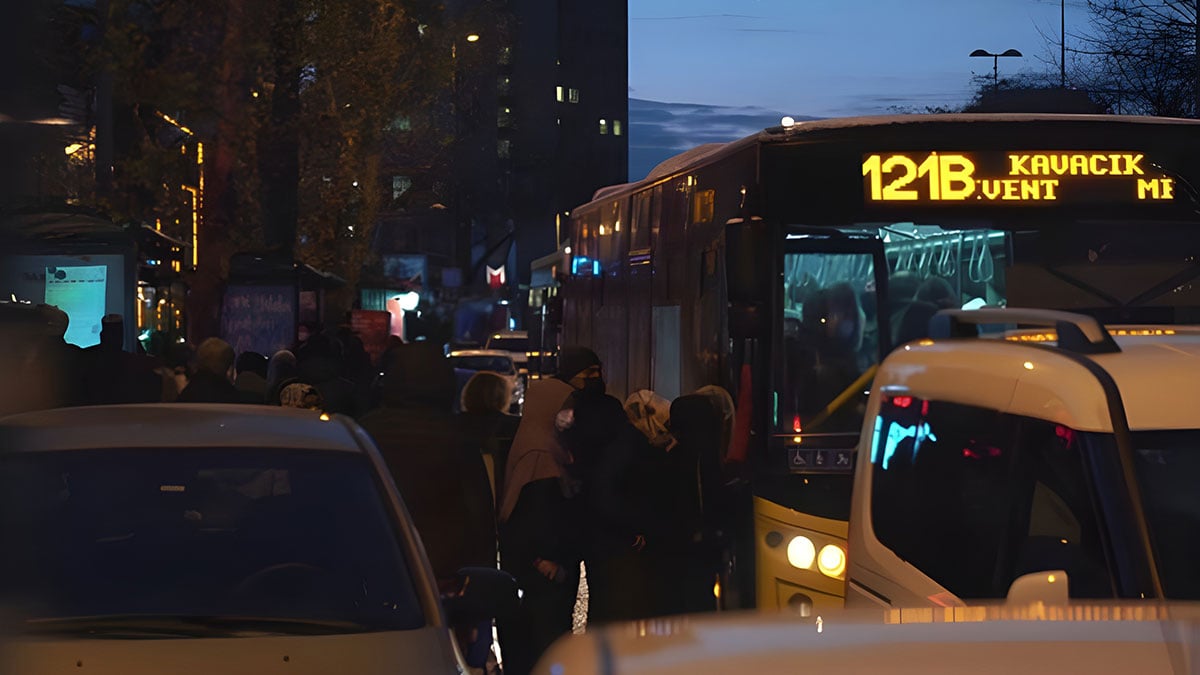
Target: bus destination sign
{"type": "Point", "coordinates": [1014, 178]}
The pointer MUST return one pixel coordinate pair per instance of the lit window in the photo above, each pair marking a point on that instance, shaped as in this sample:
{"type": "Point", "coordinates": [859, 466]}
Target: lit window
{"type": "Point", "coordinates": [573, 95]}
{"type": "Point", "coordinates": [504, 148]}
{"type": "Point", "coordinates": [503, 84]}
{"type": "Point", "coordinates": [400, 185]}
{"type": "Point", "coordinates": [603, 127]}
{"type": "Point", "coordinates": [504, 117]}
{"type": "Point", "coordinates": [506, 55]}
{"type": "Point", "coordinates": [558, 94]}
{"type": "Point", "coordinates": [616, 127]}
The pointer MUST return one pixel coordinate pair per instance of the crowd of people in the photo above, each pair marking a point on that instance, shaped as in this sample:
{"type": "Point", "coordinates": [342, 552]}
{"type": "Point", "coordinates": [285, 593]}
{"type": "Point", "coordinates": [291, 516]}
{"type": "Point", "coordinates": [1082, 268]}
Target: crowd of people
{"type": "Point", "coordinates": [632, 489]}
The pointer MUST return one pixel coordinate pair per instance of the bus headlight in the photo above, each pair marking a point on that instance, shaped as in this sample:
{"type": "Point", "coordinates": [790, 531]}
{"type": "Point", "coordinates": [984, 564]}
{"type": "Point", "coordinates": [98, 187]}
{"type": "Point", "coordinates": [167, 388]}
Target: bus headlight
{"type": "Point", "coordinates": [801, 552]}
{"type": "Point", "coordinates": [832, 561]}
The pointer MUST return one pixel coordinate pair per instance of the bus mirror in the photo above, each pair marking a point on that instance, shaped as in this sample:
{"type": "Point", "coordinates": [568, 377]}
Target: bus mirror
{"type": "Point", "coordinates": [748, 265]}
{"type": "Point", "coordinates": [747, 261]}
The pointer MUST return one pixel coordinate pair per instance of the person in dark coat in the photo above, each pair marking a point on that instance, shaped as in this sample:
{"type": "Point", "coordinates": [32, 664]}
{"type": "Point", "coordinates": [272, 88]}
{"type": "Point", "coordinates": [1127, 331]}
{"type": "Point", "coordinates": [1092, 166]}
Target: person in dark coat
{"type": "Point", "coordinates": [113, 375]}
{"type": "Point", "coordinates": [251, 378]}
{"type": "Point", "coordinates": [541, 515]}
{"type": "Point", "coordinates": [444, 486]}
{"type": "Point", "coordinates": [692, 495]}
{"type": "Point", "coordinates": [320, 363]}
{"type": "Point", "coordinates": [213, 380]}
{"type": "Point", "coordinates": [617, 464]}
{"type": "Point", "coordinates": [485, 423]}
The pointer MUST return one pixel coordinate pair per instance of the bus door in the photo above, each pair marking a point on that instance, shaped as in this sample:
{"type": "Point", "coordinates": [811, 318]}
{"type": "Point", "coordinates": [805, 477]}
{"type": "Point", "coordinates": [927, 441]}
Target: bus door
{"type": "Point", "coordinates": [832, 336]}
{"type": "Point", "coordinates": [829, 338]}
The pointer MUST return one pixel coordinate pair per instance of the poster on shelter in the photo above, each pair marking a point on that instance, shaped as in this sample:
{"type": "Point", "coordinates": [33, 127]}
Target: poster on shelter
{"type": "Point", "coordinates": [80, 292]}
{"type": "Point", "coordinates": [259, 318]}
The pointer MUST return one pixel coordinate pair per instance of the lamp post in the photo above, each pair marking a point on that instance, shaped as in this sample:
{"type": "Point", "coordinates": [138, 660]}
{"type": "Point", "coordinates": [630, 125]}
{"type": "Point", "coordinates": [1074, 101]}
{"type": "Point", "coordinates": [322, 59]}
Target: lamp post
{"type": "Point", "coordinates": [996, 62]}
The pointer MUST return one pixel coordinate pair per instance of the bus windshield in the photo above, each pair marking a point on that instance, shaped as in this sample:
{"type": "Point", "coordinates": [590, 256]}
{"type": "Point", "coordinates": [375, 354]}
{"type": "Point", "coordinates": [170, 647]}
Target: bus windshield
{"type": "Point", "coordinates": [839, 320]}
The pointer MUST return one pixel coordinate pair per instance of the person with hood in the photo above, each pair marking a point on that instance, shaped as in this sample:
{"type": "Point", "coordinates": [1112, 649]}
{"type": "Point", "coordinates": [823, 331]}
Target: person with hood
{"type": "Point", "coordinates": [281, 367]}
{"type": "Point", "coordinates": [444, 486]}
{"type": "Point", "coordinates": [540, 513]}
{"type": "Point", "coordinates": [617, 464]}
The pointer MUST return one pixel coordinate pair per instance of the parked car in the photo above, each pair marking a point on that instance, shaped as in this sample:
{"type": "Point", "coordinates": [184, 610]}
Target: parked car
{"type": "Point", "coordinates": [470, 361]}
{"type": "Point", "coordinates": [515, 342]}
{"type": "Point", "coordinates": [223, 539]}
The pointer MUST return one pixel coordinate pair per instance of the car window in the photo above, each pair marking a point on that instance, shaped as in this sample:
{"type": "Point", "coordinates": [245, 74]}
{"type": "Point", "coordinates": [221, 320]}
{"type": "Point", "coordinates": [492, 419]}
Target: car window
{"type": "Point", "coordinates": [508, 344]}
{"type": "Point", "coordinates": [241, 533]}
{"type": "Point", "coordinates": [975, 498]}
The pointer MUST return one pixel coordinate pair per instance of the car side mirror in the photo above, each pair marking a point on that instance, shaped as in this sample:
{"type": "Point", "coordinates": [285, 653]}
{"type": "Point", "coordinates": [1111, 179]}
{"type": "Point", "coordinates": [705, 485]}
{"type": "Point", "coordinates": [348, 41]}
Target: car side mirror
{"type": "Point", "coordinates": [1050, 588]}
{"type": "Point", "coordinates": [483, 593]}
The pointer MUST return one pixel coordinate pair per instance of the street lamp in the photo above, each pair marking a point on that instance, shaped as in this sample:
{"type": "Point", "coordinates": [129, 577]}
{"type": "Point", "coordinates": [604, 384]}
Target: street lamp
{"type": "Point", "coordinates": [996, 62]}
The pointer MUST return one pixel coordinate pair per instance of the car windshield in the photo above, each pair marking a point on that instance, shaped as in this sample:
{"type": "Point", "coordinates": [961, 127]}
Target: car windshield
{"type": "Point", "coordinates": [496, 364]}
{"type": "Point", "coordinates": [508, 344]}
{"type": "Point", "coordinates": [1167, 464]}
{"type": "Point", "coordinates": [300, 536]}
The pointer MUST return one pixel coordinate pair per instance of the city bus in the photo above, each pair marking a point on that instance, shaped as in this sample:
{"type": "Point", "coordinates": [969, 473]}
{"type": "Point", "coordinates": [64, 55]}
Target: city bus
{"type": "Point", "coordinates": [784, 266]}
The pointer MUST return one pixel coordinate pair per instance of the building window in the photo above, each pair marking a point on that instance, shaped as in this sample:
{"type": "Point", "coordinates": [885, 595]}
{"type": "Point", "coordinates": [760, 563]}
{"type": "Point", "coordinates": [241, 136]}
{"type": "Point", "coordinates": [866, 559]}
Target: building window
{"type": "Point", "coordinates": [504, 117]}
{"type": "Point", "coordinates": [558, 94]}
{"type": "Point", "coordinates": [604, 127]}
{"type": "Point", "coordinates": [503, 148]}
{"type": "Point", "coordinates": [400, 185]}
{"type": "Point", "coordinates": [573, 95]}
{"type": "Point", "coordinates": [616, 127]}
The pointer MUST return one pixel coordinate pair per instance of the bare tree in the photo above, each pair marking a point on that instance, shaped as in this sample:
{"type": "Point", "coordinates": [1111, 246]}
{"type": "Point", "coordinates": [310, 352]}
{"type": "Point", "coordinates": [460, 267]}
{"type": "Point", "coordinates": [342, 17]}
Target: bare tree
{"type": "Point", "coordinates": [1140, 56]}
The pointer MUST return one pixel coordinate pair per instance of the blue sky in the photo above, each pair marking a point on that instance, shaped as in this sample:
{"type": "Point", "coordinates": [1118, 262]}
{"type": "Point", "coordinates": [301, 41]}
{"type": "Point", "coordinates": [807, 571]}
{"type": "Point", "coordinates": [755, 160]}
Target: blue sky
{"type": "Point", "coordinates": [737, 63]}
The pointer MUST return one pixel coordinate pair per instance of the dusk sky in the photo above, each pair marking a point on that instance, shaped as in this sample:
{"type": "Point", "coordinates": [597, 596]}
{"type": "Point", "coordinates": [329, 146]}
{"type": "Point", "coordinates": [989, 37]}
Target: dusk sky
{"type": "Point", "coordinates": [741, 64]}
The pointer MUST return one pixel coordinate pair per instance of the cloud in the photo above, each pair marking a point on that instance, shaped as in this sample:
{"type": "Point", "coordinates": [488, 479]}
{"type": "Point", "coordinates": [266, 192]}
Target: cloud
{"type": "Point", "coordinates": [659, 130]}
{"type": "Point", "coordinates": [694, 16]}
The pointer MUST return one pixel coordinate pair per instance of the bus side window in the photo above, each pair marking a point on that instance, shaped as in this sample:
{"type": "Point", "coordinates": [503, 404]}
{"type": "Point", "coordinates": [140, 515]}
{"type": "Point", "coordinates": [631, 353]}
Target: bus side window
{"type": "Point", "coordinates": [975, 498]}
{"type": "Point", "coordinates": [641, 226]}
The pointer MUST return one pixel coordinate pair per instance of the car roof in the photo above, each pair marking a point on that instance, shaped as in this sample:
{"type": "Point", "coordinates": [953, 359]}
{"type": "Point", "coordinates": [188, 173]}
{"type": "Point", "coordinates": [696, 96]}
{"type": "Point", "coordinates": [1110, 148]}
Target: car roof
{"type": "Point", "coordinates": [499, 353]}
{"type": "Point", "coordinates": [1100, 637]}
{"type": "Point", "coordinates": [167, 425]}
{"type": "Point", "coordinates": [1155, 372]}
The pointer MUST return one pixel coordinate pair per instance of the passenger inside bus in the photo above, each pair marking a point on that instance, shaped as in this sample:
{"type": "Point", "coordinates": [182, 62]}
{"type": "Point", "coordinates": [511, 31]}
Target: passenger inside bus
{"type": "Point", "coordinates": [824, 353]}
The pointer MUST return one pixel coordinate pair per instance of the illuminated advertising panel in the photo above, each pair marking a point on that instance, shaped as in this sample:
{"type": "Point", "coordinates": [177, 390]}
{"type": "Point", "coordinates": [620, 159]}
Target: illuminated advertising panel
{"type": "Point", "coordinates": [1015, 178]}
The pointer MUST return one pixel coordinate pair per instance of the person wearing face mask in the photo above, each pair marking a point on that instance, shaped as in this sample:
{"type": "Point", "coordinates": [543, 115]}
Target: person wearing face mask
{"type": "Point", "coordinates": [540, 512]}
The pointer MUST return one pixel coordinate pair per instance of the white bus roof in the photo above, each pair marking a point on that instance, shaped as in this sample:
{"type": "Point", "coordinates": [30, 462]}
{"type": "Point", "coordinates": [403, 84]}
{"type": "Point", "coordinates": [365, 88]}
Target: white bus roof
{"type": "Point", "coordinates": [707, 151]}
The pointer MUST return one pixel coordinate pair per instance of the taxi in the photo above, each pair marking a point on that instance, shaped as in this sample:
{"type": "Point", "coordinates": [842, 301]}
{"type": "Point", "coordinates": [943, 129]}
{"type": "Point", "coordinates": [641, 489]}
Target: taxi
{"type": "Point", "coordinates": [216, 539]}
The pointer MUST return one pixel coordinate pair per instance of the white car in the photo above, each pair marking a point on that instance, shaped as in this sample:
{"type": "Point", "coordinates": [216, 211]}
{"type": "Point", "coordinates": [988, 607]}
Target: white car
{"type": "Point", "coordinates": [1029, 639]}
{"type": "Point", "coordinates": [467, 362]}
{"type": "Point", "coordinates": [215, 539]}
{"type": "Point", "coordinates": [515, 342]}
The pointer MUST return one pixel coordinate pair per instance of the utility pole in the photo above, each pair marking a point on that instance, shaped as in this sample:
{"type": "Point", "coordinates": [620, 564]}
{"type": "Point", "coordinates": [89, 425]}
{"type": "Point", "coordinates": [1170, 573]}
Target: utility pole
{"type": "Point", "coordinates": [1063, 39]}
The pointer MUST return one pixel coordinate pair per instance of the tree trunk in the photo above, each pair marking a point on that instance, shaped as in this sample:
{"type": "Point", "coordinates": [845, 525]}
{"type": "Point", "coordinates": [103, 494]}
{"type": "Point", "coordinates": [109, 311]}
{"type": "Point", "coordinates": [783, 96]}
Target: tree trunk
{"type": "Point", "coordinates": [219, 208]}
